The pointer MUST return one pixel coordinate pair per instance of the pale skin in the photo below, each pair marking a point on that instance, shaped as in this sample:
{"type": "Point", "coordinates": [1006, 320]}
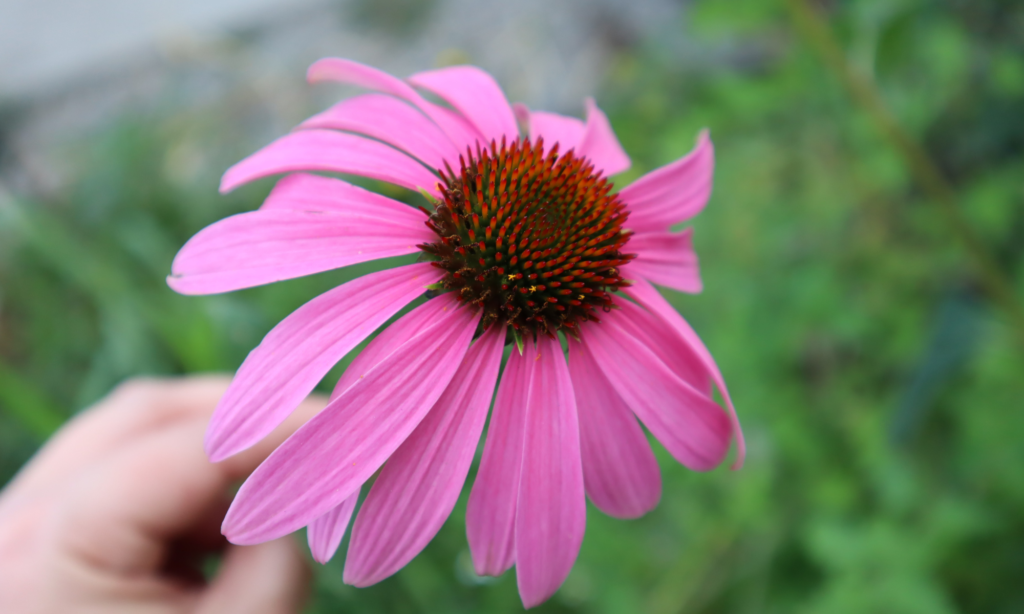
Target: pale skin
{"type": "Point", "coordinates": [117, 509]}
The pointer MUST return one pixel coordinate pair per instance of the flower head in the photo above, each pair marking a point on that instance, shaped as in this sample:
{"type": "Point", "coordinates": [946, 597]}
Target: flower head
{"type": "Point", "coordinates": [533, 240]}
{"type": "Point", "coordinates": [525, 242]}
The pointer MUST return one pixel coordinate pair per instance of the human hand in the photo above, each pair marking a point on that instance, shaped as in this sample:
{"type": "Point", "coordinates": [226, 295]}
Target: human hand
{"type": "Point", "coordinates": [119, 508]}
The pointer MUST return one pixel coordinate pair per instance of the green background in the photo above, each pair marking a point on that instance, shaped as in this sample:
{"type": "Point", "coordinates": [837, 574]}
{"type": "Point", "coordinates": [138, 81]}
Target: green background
{"type": "Point", "coordinates": [880, 388]}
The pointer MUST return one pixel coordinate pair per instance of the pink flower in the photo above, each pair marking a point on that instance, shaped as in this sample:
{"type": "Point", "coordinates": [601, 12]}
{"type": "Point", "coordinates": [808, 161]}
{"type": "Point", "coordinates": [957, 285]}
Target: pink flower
{"type": "Point", "coordinates": [527, 243]}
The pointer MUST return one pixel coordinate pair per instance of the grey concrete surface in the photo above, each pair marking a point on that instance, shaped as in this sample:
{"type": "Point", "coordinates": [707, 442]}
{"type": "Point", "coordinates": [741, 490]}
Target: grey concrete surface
{"type": "Point", "coordinates": [68, 67]}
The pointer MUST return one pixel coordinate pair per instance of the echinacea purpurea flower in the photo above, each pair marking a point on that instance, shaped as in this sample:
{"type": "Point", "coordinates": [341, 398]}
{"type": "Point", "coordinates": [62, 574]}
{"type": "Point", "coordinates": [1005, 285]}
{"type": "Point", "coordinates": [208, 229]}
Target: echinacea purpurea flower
{"type": "Point", "coordinates": [526, 243]}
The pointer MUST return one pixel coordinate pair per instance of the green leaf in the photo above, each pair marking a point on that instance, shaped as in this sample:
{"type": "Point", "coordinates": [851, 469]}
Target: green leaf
{"type": "Point", "coordinates": [519, 340]}
{"type": "Point", "coordinates": [428, 196]}
{"type": "Point", "coordinates": [27, 405]}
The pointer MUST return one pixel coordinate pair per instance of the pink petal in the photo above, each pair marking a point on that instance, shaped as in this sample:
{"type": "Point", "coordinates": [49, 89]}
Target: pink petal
{"type": "Point", "coordinates": [307, 192]}
{"type": "Point", "coordinates": [648, 296]}
{"type": "Point", "coordinates": [324, 534]}
{"type": "Point", "coordinates": [599, 143]}
{"type": "Point", "coordinates": [390, 340]}
{"type": "Point", "coordinates": [383, 345]}
{"type": "Point", "coordinates": [476, 95]}
{"type": "Point", "coordinates": [665, 258]}
{"type": "Point", "coordinates": [458, 129]}
{"type": "Point", "coordinates": [620, 472]}
{"type": "Point", "coordinates": [348, 71]}
{"type": "Point", "coordinates": [555, 128]}
{"type": "Point", "coordinates": [327, 459]}
{"type": "Point", "coordinates": [276, 243]}
{"type": "Point", "coordinates": [691, 426]}
{"type": "Point", "coordinates": [285, 367]}
{"type": "Point", "coordinates": [491, 512]}
{"type": "Point", "coordinates": [392, 121]}
{"type": "Point", "coordinates": [421, 482]}
{"type": "Point", "coordinates": [335, 152]}
{"type": "Point", "coordinates": [673, 193]}
{"type": "Point", "coordinates": [667, 345]}
{"type": "Point", "coordinates": [551, 513]}
{"type": "Point", "coordinates": [522, 113]}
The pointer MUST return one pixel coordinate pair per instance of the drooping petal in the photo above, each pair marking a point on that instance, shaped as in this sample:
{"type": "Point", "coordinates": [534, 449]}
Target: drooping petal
{"type": "Point", "coordinates": [349, 71]}
{"type": "Point", "coordinates": [393, 338]}
{"type": "Point", "coordinates": [324, 534]}
{"type": "Point", "coordinates": [648, 328]}
{"type": "Point", "coordinates": [458, 128]}
{"type": "Point", "coordinates": [522, 113]}
{"type": "Point", "coordinates": [620, 472]}
{"type": "Point", "coordinates": [285, 367]}
{"type": "Point", "coordinates": [599, 143]}
{"type": "Point", "coordinates": [491, 512]}
{"type": "Point", "coordinates": [665, 258]}
{"type": "Point", "coordinates": [421, 482]}
{"type": "Point", "coordinates": [383, 345]}
{"type": "Point", "coordinates": [335, 152]}
{"type": "Point", "coordinates": [268, 245]}
{"type": "Point", "coordinates": [555, 128]}
{"type": "Point", "coordinates": [691, 426]}
{"type": "Point", "coordinates": [315, 193]}
{"type": "Point", "coordinates": [673, 193]}
{"type": "Point", "coordinates": [326, 460]}
{"type": "Point", "coordinates": [551, 513]}
{"type": "Point", "coordinates": [476, 95]}
{"type": "Point", "coordinates": [648, 296]}
{"type": "Point", "coordinates": [392, 121]}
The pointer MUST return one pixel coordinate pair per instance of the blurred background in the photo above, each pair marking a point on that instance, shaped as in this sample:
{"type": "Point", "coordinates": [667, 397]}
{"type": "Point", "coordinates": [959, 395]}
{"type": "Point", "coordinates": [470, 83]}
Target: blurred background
{"type": "Point", "coordinates": [861, 256]}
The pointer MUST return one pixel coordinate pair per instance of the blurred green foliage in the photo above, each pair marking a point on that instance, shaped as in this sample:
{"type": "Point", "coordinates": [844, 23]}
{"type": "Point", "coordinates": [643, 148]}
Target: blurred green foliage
{"type": "Point", "coordinates": [880, 392]}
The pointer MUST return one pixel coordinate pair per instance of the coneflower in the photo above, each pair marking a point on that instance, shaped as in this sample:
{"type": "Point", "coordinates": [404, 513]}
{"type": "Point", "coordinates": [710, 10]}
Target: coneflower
{"type": "Point", "coordinates": [525, 245]}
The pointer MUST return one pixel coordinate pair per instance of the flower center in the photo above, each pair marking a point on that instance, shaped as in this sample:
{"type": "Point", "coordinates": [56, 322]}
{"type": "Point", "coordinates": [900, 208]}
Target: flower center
{"type": "Point", "coordinates": [533, 240]}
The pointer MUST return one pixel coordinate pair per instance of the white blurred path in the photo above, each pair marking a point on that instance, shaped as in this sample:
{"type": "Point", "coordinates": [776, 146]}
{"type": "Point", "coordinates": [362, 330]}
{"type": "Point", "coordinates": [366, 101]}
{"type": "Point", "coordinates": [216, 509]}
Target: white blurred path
{"type": "Point", "coordinates": [46, 42]}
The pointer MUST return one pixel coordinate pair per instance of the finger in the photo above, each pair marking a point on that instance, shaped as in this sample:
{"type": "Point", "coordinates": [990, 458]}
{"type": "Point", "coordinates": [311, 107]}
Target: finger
{"type": "Point", "coordinates": [120, 514]}
{"type": "Point", "coordinates": [133, 409]}
{"type": "Point", "coordinates": [270, 578]}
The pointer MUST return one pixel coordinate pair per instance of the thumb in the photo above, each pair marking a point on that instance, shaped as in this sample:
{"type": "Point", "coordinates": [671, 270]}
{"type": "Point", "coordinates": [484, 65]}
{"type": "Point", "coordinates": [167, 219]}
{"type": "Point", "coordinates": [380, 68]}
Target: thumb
{"type": "Point", "coordinates": [270, 578]}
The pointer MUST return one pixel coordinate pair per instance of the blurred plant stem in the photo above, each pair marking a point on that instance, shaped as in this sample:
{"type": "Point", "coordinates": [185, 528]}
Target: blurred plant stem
{"type": "Point", "coordinates": [817, 32]}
